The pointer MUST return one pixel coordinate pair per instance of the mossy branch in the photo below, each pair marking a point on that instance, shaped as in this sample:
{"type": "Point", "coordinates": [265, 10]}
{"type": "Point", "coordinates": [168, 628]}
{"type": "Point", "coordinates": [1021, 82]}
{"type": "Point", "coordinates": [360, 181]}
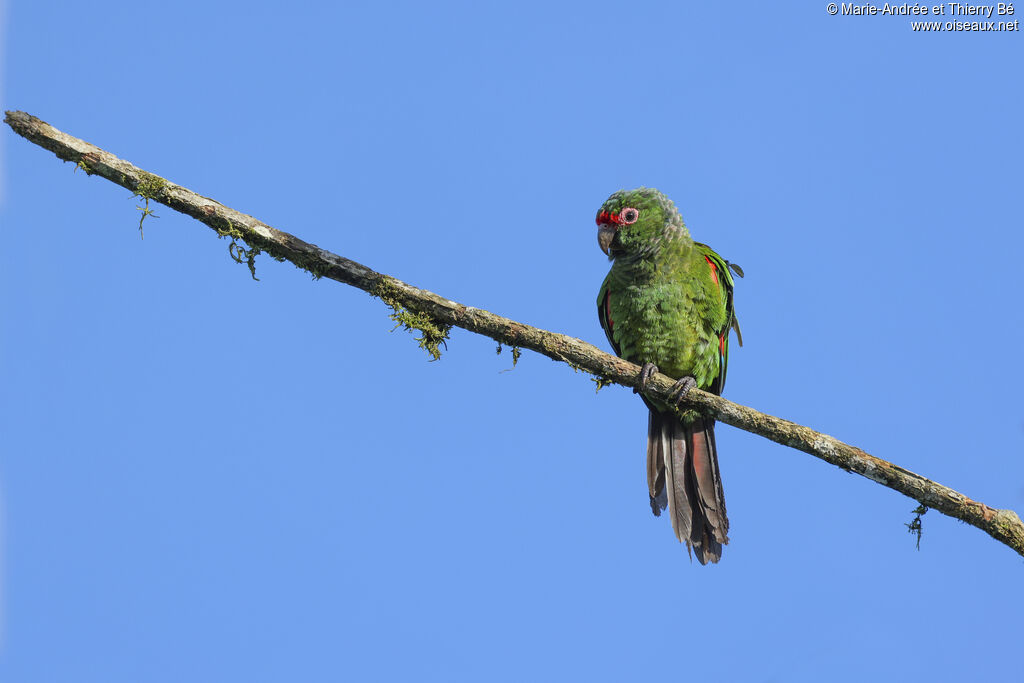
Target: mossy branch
{"type": "Point", "coordinates": [434, 316]}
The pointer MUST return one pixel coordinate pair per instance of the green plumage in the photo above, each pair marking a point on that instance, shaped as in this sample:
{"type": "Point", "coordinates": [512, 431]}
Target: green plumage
{"type": "Point", "coordinates": [667, 300]}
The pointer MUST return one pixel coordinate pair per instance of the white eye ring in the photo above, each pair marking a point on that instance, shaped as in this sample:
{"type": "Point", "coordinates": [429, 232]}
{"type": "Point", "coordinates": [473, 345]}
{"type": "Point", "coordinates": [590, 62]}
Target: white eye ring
{"type": "Point", "coordinates": [629, 215]}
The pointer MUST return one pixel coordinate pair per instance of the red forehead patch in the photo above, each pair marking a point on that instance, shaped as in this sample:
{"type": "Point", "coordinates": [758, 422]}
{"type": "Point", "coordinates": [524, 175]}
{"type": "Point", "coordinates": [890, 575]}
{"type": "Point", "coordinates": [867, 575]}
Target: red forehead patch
{"type": "Point", "coordinates": [604, 218]}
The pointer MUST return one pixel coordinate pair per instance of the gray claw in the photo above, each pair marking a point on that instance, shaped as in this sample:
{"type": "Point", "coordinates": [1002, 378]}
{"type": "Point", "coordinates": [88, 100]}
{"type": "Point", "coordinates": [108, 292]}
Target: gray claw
{"type": "Point", "coordinates": [646, 371]}
{"type": "Point", "coordinates": [681, 388]}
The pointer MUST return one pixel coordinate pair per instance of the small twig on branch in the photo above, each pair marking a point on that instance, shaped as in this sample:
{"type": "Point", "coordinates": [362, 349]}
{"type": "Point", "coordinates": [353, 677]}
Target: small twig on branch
{"type": "Point", "coordinates": [434, 315]}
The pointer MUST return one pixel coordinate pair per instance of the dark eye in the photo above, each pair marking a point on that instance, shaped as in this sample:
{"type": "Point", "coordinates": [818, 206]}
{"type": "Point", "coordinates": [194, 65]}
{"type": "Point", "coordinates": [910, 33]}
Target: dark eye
{"type": "Point", "coordinates": [629, 215]}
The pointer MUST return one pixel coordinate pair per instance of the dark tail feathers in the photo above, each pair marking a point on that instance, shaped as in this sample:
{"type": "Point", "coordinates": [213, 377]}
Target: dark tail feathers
{"type": "Point", "coordinates": [682, 475]}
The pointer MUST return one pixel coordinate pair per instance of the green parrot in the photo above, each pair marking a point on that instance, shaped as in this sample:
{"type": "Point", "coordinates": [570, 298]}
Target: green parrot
{"type": "Point", "coordinates": [667, 304]}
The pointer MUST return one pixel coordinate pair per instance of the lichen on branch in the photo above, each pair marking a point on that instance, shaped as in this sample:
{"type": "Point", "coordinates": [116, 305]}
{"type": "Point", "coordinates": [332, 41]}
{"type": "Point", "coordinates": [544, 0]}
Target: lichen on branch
{"type": "Point", "coordinates": [433, 334]}
{"type": "Point", "coordinates": [148, 187]}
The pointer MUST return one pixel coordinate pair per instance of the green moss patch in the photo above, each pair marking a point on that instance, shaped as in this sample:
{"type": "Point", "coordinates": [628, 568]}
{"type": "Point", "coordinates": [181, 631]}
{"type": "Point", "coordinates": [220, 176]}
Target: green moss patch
{"type": "Point", "coordinates": [433, 334]}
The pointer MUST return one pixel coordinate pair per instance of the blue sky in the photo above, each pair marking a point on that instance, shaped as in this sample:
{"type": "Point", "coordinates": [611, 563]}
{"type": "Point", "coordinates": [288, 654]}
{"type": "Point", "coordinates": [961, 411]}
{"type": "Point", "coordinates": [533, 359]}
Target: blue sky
{"type": "Point", "coordinates": [209, 478]}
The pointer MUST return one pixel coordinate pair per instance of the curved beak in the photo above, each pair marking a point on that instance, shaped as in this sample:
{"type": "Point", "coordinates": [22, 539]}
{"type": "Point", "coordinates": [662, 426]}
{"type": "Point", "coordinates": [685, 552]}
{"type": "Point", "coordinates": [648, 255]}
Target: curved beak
{"type": "Point", "coordinates": [605, 235]}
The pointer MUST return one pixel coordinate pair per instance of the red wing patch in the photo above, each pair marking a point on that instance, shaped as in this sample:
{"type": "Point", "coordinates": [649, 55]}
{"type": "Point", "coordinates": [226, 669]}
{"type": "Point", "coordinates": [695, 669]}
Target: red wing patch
{"type": "Point", "coordinates": [714, 271]}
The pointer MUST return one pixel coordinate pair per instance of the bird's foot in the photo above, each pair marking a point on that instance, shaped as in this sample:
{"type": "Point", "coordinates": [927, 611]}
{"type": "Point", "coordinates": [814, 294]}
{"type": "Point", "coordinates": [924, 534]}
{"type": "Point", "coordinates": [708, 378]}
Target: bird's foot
{"type": "Point", "coordinates": [680, 389]}
{"type": "Point", "coordinates": [646, 371]}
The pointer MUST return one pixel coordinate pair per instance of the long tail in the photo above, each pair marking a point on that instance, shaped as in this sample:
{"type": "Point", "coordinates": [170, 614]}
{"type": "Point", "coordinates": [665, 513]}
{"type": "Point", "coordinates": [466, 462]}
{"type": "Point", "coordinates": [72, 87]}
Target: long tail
{"type": "Point", "coordinates": [682, 475]}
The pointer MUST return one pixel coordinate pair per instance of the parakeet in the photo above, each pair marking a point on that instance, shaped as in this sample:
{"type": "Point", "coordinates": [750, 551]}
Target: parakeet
{"type": "Point", "coordinates": [667, 304]}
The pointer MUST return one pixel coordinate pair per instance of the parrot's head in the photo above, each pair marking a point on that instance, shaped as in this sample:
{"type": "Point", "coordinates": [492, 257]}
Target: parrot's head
{"type": "Point", "coordinates": [630, 221]}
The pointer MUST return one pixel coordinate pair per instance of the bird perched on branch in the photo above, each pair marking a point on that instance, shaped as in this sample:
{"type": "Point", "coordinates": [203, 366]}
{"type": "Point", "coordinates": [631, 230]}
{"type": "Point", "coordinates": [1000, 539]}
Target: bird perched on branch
{"type": "Point", "coordinates": [667, 304]}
